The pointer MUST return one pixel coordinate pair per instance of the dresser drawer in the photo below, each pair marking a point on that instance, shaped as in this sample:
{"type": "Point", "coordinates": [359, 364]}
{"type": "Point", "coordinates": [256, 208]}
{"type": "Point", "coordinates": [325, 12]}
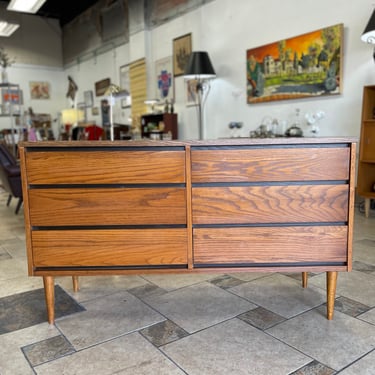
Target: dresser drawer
{"type": "Point", "coordinates": [270, 164]}
{"type": "Point", "coordinates": [107, 206]}
{"type": "Point", "coordinates": [104, 248]}
{"type": "Point", "coordinates": [270, 245]}
{"type": "Point", "coordinates": [105, 167]}
{"type": "Point", "coordinates": [270, 204]}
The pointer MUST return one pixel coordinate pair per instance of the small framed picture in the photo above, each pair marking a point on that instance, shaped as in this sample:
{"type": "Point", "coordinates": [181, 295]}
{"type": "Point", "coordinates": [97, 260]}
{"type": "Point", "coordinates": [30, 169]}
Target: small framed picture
{"type": "Point", "coordinates": [181, 52]}
{"type": "Point", "coordinates": [88, 98]}
{"type": "Point", "coordinates": [126, 102]}
{"type": "Point", "coordinates": [101, 86]}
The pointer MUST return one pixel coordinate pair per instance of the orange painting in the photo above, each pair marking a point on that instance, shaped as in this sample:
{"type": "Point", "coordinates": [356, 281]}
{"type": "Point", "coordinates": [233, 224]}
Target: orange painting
{"type": "Point", "coordinates": [307, 65]}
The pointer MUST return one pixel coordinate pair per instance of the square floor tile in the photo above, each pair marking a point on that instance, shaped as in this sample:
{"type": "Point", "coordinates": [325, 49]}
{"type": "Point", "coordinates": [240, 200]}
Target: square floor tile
{"type": "Point", "coordinates": [163, 333]}
{"type": "Point", "coordinates": [355, 285]}
{"type": "Point", "coordinates": [368, 316]}
{"type": "Point", "coordinates": [12, 359]}
{"type": "Point", "coordinates": [91, 287]}
{"type": "Point", "coordinates": [199, 306]}
{"type": "Point", "coordinates": [350, 307]}
{"type": "Point", "coordinates": [328, 341]}
{"type": "Point", "coordinates": [127, 355]}
{"type": "Point", "coordinates": [29, 308]}
{"type": "Point", "coordinates": [314, 368]}
{"type": "Point", "coordinates": [226, 281]}
{"type": "Point", "coordinates": [365, 366]}
{"type": "Point", "coordinates": [47, 350]}
{"type": "Point", "coordinates": [281, 294]}
{"type": "Point", "coordinates": [169, 281]}
{"type": "Point", "coordinates": [261, 318]}
{"type": "Point", "coordinates": [107, 317]}
{"type": "Point", "coordinates": [234, 347]}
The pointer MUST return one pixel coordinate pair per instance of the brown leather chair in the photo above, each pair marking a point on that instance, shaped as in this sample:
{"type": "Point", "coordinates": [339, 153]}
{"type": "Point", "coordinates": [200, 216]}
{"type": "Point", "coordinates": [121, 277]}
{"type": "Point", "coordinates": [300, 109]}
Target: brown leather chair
{"type": "Point", "coordinates": [10, 176]}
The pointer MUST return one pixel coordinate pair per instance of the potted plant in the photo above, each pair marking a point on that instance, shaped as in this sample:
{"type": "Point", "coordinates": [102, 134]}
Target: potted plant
{"type": "Point", "coordinates": [5, 61]}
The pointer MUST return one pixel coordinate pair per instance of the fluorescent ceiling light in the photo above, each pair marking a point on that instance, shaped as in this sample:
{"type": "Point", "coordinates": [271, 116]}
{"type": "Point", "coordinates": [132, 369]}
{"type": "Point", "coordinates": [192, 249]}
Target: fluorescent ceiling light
{"type": "Point", "coordinates": [7, 29]}
{"type": "Point", "coordinates": [27, 6]}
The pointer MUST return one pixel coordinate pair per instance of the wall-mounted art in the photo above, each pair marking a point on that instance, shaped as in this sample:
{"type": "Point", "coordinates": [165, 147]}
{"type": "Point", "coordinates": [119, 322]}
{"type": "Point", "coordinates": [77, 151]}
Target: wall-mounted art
{"type": "Point", "coordinates": [101, 86]}
{"type": "Point", "coordinates": [181, 53]}
{"type": "Point", "coordinates": [39, 90]}
{"type": "Point", "coordinates": [88, 98]}
{"type": "Point", "coordinates": [164, 79]}
{"type": "Point", "coordinates": [305, 66]}
{"type": "Point", "coordinates": [126, 102]}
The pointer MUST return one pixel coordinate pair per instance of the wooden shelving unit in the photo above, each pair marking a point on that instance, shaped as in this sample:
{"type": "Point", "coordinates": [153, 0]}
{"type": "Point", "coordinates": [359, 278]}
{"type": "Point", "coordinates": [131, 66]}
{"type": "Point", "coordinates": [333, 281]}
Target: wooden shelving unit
{"type": "Point", "coordinates": [366, 162]}
{"type": "Point", "coordinates": [170, 124]}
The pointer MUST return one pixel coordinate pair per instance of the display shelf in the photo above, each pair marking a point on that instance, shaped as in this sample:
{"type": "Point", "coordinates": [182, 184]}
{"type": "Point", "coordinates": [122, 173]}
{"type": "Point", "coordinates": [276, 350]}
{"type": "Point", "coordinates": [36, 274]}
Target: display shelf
{"type": "Point", "coordinates": [150, 125]}
{"type": "Point", "coordinates": [366, 162]}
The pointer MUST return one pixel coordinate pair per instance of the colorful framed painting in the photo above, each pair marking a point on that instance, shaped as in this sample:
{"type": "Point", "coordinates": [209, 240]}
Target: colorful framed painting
{"type": "Point", "coordinates": [182, 48]}
{"type": "Point", "coordinates": [12, 95]}
{"type": "Point", "coordinates": [164, 79]}
{"type": "Point", "coordinates": [39, 90]}
{"type": "Point", "coordinates": [305, 66]}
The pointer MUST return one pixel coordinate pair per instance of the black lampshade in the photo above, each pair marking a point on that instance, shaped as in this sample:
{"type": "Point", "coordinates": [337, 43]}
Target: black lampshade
{"type": "Point", "coordinates": [199, 65]}
{"type": "Point", "coordinates": [368, 35]}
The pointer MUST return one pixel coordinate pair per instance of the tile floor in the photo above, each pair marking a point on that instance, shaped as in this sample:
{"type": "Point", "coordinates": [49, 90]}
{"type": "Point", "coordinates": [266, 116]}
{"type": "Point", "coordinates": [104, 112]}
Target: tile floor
{"type": "Point", "coordinates": [245, 323]}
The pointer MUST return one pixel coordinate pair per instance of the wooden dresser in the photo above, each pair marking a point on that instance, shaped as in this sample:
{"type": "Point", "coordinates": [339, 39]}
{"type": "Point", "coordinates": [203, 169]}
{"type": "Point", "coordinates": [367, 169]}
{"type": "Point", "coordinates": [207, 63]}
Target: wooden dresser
{"type": "Point", "coordinates": [99, 208]}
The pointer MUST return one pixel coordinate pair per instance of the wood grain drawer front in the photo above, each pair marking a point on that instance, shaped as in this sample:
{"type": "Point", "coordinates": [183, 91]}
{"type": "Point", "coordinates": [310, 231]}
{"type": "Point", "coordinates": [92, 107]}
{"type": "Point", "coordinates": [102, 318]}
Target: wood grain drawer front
{"type": "Point", "coordinates": [110, 167]}
{"type": "Point", "coordinates": [270, 164]}
{"type": "Point", "coordinates": [111, 206]}
{"type": "Point", "coordinates": [270, 204]}
{"type": "Point", "coordinates": [101, 248]}
{"type": "Point", "coordinates": [270, 245]}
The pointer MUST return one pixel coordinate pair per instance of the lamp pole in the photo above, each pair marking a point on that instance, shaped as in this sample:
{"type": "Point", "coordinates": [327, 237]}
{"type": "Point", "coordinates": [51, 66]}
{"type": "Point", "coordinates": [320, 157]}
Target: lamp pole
{"type": "Point", "coordinates": [200, 112]}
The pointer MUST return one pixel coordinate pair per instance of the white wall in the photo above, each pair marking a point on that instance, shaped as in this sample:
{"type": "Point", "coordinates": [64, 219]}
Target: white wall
{"type": "Point", "coordinates": [226, 29]}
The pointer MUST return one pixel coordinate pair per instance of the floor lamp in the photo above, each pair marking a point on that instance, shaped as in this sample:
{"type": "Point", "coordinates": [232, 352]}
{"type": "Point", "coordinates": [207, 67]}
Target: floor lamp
{"type": "Point", "coordinates": [199, 67]}
{"type": "Point", "coordinates": [114, 92]}
{"type": "Point", "coordinates": [368, 35]}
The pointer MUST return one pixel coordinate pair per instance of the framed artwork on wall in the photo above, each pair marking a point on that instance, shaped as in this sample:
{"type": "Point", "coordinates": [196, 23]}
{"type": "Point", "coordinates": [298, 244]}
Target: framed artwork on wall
{"type": "Point", "coordinates": [182, 47]}
{"type": "Point", "coordinates": [305, 66]}
{"type": "Point", "coordinates": [124, 78]}
{"type": "Point", "coordinates": [88, 98]}
{"type": "Point", "coordinates": [126, 102]}
{"type": "Point", "coordinates": [101, 86]}
{"type": "Point", "coordinates": [39, 90]}
{"type": "Point", "coordinates": [164, 79]}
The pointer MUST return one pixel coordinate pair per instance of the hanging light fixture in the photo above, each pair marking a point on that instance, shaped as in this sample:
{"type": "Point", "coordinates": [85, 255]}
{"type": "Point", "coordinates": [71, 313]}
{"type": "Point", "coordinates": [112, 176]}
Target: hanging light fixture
{"type": "Point", "coordinates": [368, 35]}
{"type": "Point", "coordinates": [199, 67]}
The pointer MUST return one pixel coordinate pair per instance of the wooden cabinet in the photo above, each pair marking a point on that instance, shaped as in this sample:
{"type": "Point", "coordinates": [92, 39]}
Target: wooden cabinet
{"type": "Point", "coordinates": [366, 162]}
{"type": "Point", "coordinates": [272, 206]}
{"type": "Point", "coordinates": [150, 125]}
{"type": "Point", "coordinates": [168, 206]}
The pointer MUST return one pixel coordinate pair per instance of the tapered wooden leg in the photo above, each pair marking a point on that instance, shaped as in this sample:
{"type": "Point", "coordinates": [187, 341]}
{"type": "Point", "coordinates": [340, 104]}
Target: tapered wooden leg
{"type": "Point", "coordinates": [304, 279]}
{"type": "Point", "coordinates": [331, 293]}
{"type": "Point", "coordinates": [49, 292]}
{"type": "Point", "coordinates": [75, 283]}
